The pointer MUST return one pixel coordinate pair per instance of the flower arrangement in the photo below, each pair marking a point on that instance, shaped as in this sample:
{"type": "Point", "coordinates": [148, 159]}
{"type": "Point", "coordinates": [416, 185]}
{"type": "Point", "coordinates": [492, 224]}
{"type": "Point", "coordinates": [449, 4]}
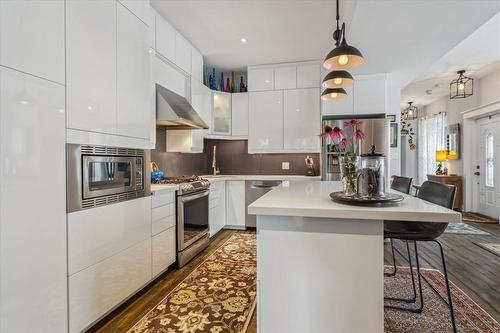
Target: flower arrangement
{"type": "Point", "coordinates": [345, 143]}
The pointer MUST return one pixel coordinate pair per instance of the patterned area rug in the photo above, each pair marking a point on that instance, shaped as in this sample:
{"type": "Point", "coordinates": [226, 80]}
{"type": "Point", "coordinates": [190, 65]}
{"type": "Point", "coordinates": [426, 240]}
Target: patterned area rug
{"type": "Point", "coordinates": [217, 297]}
{"type": "Point", "coordinates": [478, 218]}
{"type": "Point", "coordinates": [491, 247]}
{"type": "Point", "coordinates": [464, 229]}
{"type": "Point", "coordinates": [435, 317]}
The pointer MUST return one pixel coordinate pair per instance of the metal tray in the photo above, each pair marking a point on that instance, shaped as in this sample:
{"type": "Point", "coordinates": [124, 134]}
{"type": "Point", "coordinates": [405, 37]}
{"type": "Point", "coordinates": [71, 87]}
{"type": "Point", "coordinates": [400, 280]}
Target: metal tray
{"type": "Point", "coordinates": [390, 198]}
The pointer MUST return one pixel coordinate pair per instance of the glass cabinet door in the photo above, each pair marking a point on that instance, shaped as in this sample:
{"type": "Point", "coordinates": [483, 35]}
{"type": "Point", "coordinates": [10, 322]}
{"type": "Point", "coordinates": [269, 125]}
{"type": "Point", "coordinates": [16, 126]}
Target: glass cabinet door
{"type": "Point", "coordinates": [221, 113]}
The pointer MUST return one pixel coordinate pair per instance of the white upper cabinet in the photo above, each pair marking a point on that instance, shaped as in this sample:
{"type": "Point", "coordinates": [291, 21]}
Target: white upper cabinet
{"type": "Point", "coordinates": [169, 77]}
{"type": "Point", "coordinates": [301, 114]}
{"type": "Point", "coordinates": [340, 107]}
{"type": "Point", "coordinates": [239, 114]}
{"type": "Point", "coordinates": [196, 65]}
{"type": "Point", "coordinates": [139, 8]}
{"type": "Point", "coordinates": [182, 53]}
{"type": "Point", "coordinates": [285, 77]}
{"type": "Point", "coordinates": [308, 76]}
{"type": "Point", "coordinates": [32, 37]}
{"type": "Point", "coordinates": [221, 113]}
{"type": "Point", "coordinates": [133, 76]}
{"type": "Point", "coordinates": [265, 121]}
{"type": "Point", "coordinates": [369, 94]}
{"type": "Point", "coordinates": [165, 38]}
{"type": "Point", "coordinates": [91, 65]}
{"type": "Point", "coordinates": [260, 79]}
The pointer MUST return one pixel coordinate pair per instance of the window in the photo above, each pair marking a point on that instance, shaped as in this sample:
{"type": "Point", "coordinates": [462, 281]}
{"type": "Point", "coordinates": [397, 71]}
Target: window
{"type": "Point", "coordinates": [490, 162]}
{"type": "Point", "coordinates": [431, 137]}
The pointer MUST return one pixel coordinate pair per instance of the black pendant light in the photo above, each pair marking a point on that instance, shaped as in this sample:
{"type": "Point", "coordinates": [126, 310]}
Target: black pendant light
{"type": "Point", "coordinates": [337, 79]}
{"type": "Point", "coordinates": [343, 56]}
{"type": "Point", "coordinates": [333, 94]}
{"type": "Point", "coordinates": [411, 112]}
{"type": "Point", "coordinates": [461, 87]}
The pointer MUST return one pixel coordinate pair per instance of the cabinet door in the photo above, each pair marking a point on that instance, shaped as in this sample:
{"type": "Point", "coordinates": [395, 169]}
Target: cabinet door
{"type": "Point", "coordinates": [369, 95]}
{"type": "Point", "coordinates": [235, 203]}
{"type": "Point", "coordinates": [91, 65]}
{"type": "Point", "coordinates": [139, 8]}
{"type": "Point", "coordinates": [285, 77]}
{"type": "Point", "coordinates": [302, 119]}
{"type": "Point", "coordinates": [340, 107]}
{"type": "Point", "coordinates": [265, 133]}
{"type": "Point", "coordinates": [32, 204]}
{"type": "Point", "coordinates": [182, 53]}
{"type": "Point", "coordinates": [221, 114]}
{"type": "Point", "coordinates": [133, 77]}
{"type": "Point", "coordinates": [201, 99]}
{"type": "Point", "coordinates": [260, 79]}
{"type": "Point", "coordinates": [32, 37]}
{"type": "Point", "coordinates": [165, 38]}
{"type": "Point", "coordinates": [162, 251]}
{"type": "Point", "coordinates": [308, 76]}
{"type": "Point", "coordinates": [239, 114]}
{"type": "Point", "coordinates": [169, 77]}
{"type": "Point", "coordinates": [196, 65]}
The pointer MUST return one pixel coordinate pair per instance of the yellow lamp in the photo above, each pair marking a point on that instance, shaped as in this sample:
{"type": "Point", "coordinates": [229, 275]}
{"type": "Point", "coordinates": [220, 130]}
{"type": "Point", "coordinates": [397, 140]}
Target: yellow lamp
{"type": "Point", "coordinates": [440, 157]}
{"type": "Point", "coordinates": [452, 155]}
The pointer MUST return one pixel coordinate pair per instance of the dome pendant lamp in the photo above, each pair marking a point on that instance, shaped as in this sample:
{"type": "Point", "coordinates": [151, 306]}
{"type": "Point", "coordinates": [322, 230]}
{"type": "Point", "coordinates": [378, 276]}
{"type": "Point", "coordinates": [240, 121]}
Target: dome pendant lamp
{"type": "Point", "coordinates": [343, 56]}
{"type": "Point", "coordinates": [337, 79]}
{"type": "Point", "coordinates": [333, 94]}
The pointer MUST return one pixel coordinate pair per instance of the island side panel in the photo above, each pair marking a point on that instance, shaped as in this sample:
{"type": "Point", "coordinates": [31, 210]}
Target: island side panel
{"type": "Point", "coordinates": [319, 275]}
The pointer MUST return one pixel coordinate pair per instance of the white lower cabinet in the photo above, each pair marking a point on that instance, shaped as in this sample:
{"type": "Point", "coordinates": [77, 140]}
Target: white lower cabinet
{"type": "Point", "coordinates": [163, 251]}
{"type": "Point", "coordinates": [217, 207]}
{"type": "Point", "coordinates": [235, 203]}
{"type": "Point", "coordinates": [265, 121]}
{"type": "Point", "coordinates": [33, 294]}
{"type": "Point", "coordinates": [96, 290]}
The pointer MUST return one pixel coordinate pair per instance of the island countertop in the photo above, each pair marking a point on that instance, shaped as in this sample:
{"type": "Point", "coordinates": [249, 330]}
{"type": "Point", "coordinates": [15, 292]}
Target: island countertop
{"type": "Point", "coordinates": [311, 199]}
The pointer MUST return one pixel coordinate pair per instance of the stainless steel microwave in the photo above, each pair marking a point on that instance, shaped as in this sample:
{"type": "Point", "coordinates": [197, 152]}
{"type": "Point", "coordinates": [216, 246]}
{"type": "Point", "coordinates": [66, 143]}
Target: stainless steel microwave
{"type": "Point", "coordinates": [99, 175]}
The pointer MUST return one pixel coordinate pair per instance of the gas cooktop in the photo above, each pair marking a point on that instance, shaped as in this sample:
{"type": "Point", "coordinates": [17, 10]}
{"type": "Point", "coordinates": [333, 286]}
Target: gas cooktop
{"type": "Point", "coordinates": [187, 184]}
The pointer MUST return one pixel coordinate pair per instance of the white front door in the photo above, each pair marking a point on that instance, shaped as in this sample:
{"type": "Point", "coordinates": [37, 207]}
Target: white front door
{"type": "Point", "coordinates": [487, 173]}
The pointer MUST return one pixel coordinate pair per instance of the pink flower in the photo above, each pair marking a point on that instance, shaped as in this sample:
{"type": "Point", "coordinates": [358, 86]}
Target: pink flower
{"type": "Point", "coordinates": [344, 143]}
{"type": "Point", "coordinates": [352, 122]}
{"type": "Point", "coordinates": [359, 135]}
{"type": "Point", "coordinates": [328, 130]}
{"type": "Point", "coordinates": [337, 133]}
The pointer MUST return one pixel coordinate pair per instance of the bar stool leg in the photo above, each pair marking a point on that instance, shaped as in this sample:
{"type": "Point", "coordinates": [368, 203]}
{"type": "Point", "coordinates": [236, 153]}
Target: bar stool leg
{"type": "Point", "coordinates": [393, 261]}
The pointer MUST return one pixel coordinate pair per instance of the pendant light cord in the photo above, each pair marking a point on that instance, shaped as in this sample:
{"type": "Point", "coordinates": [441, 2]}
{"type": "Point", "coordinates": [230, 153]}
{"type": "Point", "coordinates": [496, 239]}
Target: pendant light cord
{"type": "Point", "coordinates": [337, 33]}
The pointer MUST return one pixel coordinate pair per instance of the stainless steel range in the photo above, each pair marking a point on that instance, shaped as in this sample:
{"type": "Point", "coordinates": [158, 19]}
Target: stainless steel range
{"type": "Point", "coordinates": [192, 216]}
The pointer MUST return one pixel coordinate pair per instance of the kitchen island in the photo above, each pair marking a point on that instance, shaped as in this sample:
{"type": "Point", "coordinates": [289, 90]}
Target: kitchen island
{"type": "Point", "coordinates": [320, 263]}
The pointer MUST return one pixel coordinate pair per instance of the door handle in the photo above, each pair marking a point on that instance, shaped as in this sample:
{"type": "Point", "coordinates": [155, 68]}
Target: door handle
{"type": "Point", "coordinates": [477, 173]}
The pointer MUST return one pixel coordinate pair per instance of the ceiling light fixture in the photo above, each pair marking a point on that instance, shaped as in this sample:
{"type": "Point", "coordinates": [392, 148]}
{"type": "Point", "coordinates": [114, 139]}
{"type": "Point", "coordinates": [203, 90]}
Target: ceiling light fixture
{"type": "Point", "coordinates": [243, 40]}
{"type": "Point", "coordinates": [411, 112]}
{"type": "Point", "coordinates": [337, 79]}
{"type": "Point", "coordinates": [462, 86]}
{"type": "Point", "coordinates": [333, 94]}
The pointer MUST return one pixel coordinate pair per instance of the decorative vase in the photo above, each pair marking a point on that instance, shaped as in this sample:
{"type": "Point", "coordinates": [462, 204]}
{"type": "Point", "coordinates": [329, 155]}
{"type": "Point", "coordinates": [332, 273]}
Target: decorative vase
{"type": "Point", "coordinates": [348, 172]}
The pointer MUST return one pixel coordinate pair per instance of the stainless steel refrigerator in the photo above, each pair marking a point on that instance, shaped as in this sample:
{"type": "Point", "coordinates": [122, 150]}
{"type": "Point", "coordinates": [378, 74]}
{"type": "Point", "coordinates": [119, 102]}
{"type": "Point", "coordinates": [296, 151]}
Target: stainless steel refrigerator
{"type": "Point", "coordinates": [376, 129]}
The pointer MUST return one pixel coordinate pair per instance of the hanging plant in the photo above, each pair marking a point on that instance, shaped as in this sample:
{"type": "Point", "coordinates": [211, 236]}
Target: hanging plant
{"type": "Point", "coordinates": [407, 130]}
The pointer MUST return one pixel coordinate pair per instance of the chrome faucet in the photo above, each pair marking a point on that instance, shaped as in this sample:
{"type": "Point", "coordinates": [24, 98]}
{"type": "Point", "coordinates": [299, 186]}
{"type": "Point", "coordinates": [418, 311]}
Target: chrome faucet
{"type": "Point", "coordinates": [214, 162]}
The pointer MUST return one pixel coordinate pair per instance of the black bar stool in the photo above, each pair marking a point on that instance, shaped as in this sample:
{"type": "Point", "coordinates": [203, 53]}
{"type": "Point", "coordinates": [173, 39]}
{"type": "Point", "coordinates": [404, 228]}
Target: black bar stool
{"type": "Point", "coordinates": [440, 194]}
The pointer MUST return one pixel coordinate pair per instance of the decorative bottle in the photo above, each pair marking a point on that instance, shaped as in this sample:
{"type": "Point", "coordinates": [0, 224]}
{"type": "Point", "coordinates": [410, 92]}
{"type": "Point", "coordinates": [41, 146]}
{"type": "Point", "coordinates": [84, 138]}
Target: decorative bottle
{"type": "Point", "coordinates": [221, 87]}
{"type": "Point", "coordinates": [232, 82]}
{"type": "Point", "coordinates": [243, 88]}
{"type": "Point", "coordinates": [213, 85]}
{"type": "Point", "coordinates": [228, 86]}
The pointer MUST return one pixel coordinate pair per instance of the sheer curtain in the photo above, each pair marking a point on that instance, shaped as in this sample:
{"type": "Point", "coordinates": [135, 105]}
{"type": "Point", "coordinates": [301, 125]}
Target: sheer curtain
{"type": "Point", "coordinates": [431, 137]}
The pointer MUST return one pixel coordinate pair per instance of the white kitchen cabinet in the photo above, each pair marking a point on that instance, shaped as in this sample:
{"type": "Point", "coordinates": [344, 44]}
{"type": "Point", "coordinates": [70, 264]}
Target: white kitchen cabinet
{"type": "Point", "coordinates": [265, 132]}
{"type": "Point", "coordinates": [285, 77]}
{"type": "Point", "coordinates": [201, 100]}
{"type": "Point", "coordinates": [182, 53]}
{"type": "Point", "coordinates": [165, 38]}
{"type": "Point", "coordinates": [235, 203]}
{"type": "Point", "coordinates": [217, 207]}
{"type": "Point", "coordinates": [196, 65]}
{"type": "Point", "coordinates": [260, 79]}
{"type": "Point", "coordinates": [91, 65]}
{"type": "Point", "coordinates": [162, 251]}
{"type": "Point", "coordinates": [308, 76]}
{"type": "Point", "coordinates": [340, 107]}
{"type": "Point", "coordinates": [133, 76]}
{"type": "Point", "coordinates": [33, 294]}
{"type": "Point", "coordinates": [369, 94]}
{"type": "Point", "coordinates": [96, 290]}
{"type": "Point", "coordinates": [169, 77]}
{"type": "Point", "coordinates": [221, 113]}
{"type": "Point", "coordinates": [139, 8]}
{"type": "Point", "coordinates": [184, 141]}
{"type": "Point", "coordinates": [32, 37]}
{"type": "Point", "coordinates": [239, 115]}
{"type": "Point", "coordinates": [302, 119]}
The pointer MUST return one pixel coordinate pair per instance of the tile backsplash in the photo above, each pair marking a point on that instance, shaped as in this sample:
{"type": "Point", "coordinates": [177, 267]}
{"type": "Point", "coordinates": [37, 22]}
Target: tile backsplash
{"type": "Point", "coordinates": [232, 159]}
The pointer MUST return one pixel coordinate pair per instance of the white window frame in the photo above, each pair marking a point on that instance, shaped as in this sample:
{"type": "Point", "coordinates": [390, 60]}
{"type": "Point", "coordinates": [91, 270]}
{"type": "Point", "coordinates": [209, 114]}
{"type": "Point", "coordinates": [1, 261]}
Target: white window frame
{"type": "Point", "coordinates": [490, 158]}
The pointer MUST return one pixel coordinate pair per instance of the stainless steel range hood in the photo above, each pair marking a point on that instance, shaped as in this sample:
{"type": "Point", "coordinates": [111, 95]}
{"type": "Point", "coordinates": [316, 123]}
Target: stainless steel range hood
{"type": "Point", "coordinates": [175, 112]}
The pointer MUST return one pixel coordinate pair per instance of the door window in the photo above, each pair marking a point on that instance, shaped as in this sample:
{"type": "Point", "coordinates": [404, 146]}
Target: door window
{"type": "Point", "coordinates": [490, 162]}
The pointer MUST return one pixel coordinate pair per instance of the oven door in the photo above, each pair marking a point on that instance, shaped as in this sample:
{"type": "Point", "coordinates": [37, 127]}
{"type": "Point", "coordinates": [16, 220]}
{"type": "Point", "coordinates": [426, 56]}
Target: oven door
{"type": "Point", "coordinates": [192, 218]}
{"type": "Point", "coordinates": [105, 175]}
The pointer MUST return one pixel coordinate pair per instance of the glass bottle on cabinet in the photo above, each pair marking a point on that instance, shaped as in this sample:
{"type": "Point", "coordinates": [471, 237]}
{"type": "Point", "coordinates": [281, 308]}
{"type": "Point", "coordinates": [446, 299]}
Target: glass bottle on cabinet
{"type": "Point", "coordinates": [221, 113]}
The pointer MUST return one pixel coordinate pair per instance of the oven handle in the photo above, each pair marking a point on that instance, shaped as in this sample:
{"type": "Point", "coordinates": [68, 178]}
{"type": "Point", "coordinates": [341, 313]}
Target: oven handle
{"type": "Point", "coordinates": [188, 198]}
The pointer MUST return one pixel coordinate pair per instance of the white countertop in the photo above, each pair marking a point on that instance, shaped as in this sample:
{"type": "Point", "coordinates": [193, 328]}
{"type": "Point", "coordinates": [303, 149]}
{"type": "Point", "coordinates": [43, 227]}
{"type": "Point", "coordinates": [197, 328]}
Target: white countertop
{"type": "Point", "coordinates": [311, 199]}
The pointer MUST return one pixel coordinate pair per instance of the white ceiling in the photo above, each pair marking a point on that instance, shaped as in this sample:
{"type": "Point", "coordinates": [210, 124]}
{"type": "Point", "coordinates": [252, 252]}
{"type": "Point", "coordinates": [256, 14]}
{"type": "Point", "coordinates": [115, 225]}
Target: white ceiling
{"type": "Point", "coordinates": [401, 36]}
{"type": "Point", "coordinates": [478, 54]}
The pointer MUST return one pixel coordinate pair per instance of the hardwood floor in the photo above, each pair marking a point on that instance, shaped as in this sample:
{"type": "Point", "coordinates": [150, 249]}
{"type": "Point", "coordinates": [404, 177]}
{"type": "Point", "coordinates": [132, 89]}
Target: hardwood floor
{"type": "Point", "coordinates": [473, 269]}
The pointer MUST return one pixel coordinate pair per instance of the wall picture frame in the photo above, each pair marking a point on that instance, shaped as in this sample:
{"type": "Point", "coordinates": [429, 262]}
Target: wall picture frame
{"type": "Point", "coordinates": [391, 117]}
{"type": "Point", "coordinates": [394, 135]}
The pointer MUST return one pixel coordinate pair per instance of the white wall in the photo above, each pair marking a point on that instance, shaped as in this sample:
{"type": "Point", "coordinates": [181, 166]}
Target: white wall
{"type": "Point", "coordinates": [393, 101]}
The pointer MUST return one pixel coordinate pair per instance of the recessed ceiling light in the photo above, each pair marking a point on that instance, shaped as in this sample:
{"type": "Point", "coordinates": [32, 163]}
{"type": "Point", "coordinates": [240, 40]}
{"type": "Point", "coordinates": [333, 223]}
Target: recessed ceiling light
{"type": "Point", "coordinates": [243, 40]}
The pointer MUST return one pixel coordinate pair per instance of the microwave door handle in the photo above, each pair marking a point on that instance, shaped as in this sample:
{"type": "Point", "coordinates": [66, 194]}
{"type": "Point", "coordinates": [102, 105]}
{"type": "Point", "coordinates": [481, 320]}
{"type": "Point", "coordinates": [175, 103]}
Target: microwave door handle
{"type": "Point", "coordinates": [194, 197]}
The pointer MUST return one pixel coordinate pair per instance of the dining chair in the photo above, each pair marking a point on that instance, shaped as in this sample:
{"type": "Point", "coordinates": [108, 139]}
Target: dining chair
{"type": "Point", "coordinates": [400, 184]}
{"type": "Point", "coordinates": [440, 194]}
